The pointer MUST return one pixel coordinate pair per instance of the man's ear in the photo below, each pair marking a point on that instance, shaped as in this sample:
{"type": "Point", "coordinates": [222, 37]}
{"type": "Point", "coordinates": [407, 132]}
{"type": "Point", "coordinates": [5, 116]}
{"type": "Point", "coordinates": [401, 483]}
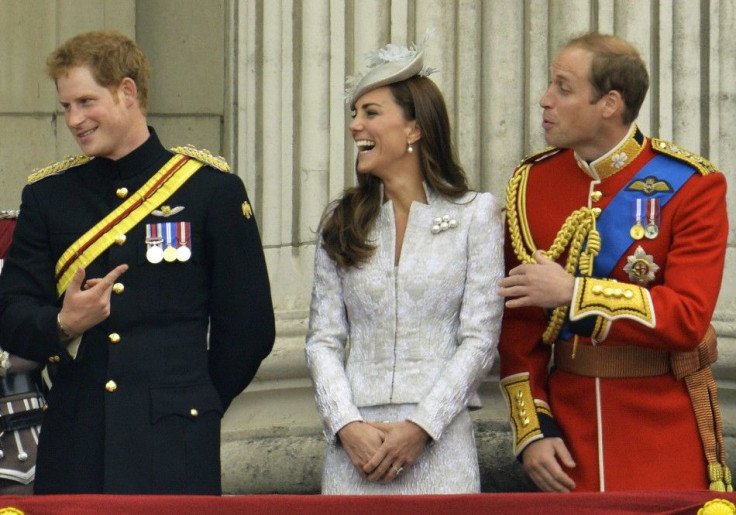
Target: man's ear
{"type": "Point", "coordinates": [128, 91]}
{"type": "Point", "coordinates": [612, 104]}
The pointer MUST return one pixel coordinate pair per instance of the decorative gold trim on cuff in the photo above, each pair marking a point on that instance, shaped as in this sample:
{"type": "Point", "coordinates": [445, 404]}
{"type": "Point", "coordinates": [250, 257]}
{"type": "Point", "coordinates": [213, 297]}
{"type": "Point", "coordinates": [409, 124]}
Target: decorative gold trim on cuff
{"type": "Point", "coordinates": [612, 300]}
{"type": "Point", "coordinates": [522, 410]}
{"type": "Point", "coordinates": [542, 408]}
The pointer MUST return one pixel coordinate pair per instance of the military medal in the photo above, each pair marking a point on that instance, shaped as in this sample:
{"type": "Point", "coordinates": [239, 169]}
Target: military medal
{"type": "Point", "coordinates": [637, 230]}
{"type": "Point", "coordinates": [652, 229]}
{"type": "Point", "coordinates": [170, 242]}
{"type": "Point", "coordinates": [184, 237]}
{"type": "Point", "coordinates": [170, 254]}
{"type": "Point", "coordinates": [641, 267]}
{"type": "Point", "coordinates": [154, 253]}
{"type": "Point", "coordinates": [183, 253]}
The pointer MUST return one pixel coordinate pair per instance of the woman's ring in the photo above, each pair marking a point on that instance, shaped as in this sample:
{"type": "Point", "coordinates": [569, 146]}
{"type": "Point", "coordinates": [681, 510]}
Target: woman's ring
{"type": "Point", "coordinates": [398, 470]}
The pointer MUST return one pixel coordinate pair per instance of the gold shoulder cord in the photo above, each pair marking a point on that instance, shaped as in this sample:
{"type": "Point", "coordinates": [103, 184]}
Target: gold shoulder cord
{"type": "Point", "coordinates": [703, 166]}
{"type": "Point", "coordinates": [578, 227]}
{"type": "Point", "coordinates": [203, 155]}
{"type": "Point", "coordinates": [57, 167]}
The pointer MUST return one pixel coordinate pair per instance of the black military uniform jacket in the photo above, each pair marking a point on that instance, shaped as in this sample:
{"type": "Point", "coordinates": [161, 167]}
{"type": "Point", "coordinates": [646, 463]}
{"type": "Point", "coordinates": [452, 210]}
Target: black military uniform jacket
{"type": "Point", "coordinates": [139, 409]}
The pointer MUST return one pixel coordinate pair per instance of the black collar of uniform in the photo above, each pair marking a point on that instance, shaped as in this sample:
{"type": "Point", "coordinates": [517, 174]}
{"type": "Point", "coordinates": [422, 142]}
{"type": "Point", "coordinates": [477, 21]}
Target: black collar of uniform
{"type": "Point", "coordinates": [149, 155]}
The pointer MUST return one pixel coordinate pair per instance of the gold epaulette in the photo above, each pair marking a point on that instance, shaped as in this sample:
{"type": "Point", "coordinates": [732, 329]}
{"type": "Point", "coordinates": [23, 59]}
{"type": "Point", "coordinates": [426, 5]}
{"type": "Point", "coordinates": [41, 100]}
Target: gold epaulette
{"type": "Point", "coordinates": [58, 167]}
{"type": "Point", "coordinates": [539, 156]}
{"type": "Point", "coordinates": [205, 156]}
{"type": "Point", "coordinates": [700, 163]}
{"type": "Point", "coordinates": [8, 214]}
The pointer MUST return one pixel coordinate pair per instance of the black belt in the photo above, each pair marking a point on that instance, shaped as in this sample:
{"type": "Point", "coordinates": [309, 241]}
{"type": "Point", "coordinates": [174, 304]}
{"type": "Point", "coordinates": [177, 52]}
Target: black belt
{"type": "Point", "coordinates": [21, 420]}
{"type": "Point", "coordinates": [18, 383]}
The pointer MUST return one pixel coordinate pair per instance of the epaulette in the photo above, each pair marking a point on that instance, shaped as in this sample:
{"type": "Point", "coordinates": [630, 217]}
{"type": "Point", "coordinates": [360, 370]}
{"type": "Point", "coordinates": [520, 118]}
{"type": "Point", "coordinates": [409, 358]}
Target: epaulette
{"type": "Point", "coordinates": [700, 163]}
{"type": "Point", "coordinates": [8, 214]}
{"type": "Point", "coordinates": [205, 156]}
{"type": "Point", "coordinates": [539, 156]}
{"type": "Point", "coordinates": [58, 167]}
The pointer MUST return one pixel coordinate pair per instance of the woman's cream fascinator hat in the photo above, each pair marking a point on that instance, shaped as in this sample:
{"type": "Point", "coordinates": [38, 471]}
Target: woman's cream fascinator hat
{"type": "Point", "coordinates": [387, 65]}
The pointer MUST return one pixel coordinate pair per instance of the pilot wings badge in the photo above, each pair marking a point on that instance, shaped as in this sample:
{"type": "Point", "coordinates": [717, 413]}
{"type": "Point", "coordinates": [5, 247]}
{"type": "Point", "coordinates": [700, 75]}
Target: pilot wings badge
{"type": "Point", "coordinates": [167, 211]}
{"type": "Point", "coordinates": [649, 186]}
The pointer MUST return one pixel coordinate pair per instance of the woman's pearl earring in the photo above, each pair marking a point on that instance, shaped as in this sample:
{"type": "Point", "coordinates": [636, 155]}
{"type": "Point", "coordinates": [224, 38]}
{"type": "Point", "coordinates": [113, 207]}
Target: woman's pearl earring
{"type": "Point", "coordinates": [410, 149]}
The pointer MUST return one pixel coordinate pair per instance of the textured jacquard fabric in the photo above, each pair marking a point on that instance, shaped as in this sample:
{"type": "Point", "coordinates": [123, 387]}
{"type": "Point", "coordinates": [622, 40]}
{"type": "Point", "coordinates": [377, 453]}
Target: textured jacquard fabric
{"type": "Point", "coordinates": [422, 333]}
{"type": "Point", "coordinates": [447, 466]}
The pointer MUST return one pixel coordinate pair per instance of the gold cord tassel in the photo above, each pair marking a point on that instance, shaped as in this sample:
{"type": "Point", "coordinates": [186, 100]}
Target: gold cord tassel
{"type": "Point", "coordinates": [727, 478]}
{"type": "Point", "coordinates": [715, 476]}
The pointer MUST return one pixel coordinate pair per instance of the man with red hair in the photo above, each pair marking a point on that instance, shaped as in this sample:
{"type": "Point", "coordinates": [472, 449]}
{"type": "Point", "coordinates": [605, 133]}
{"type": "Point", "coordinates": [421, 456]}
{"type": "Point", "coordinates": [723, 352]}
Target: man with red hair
{"type": "Point", "coordinates": [138, 274]}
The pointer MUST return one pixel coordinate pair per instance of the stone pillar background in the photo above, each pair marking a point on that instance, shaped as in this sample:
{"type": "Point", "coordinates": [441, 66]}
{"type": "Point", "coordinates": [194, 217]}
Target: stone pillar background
{"type": "Point", "coordinates": [493, 59]}
{"type": "Point", "coordinates": [261, 81]}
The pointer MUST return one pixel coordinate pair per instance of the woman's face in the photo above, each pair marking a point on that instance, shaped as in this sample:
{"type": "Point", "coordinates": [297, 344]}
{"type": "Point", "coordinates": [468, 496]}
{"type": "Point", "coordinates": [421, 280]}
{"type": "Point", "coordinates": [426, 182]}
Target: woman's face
{"type": "Point", "coordinates": [381, 133]}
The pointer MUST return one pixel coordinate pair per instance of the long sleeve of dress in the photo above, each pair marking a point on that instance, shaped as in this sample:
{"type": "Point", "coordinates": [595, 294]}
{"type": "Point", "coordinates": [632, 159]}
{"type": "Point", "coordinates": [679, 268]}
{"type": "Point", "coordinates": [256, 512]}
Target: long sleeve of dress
{"type": "Point", "coordinates": [480, 323]}
{"type": "Point", "coordinates": [325, 347]}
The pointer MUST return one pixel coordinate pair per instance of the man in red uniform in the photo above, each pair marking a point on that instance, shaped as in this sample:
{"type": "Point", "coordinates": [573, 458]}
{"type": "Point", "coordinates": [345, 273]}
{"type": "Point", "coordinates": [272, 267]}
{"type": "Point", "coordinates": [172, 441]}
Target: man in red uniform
{"type": "Point", "coordinates": [615, 250]}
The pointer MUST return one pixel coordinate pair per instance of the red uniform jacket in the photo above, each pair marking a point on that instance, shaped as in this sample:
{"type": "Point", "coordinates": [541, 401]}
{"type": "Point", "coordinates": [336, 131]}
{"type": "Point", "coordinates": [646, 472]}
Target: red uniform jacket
{"type": "Point", "coordinates": [633, 433]}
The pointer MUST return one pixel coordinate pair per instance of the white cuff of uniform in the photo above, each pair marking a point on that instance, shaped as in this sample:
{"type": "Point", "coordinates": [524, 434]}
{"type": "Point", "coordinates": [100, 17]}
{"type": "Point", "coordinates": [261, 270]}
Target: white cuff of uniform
{"type": "Point", "coordinates": [73, 346]}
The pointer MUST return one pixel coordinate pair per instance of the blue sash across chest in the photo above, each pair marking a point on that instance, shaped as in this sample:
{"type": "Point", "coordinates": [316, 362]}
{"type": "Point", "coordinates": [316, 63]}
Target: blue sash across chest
{"type": "Point", "coordinates": [614, 231]}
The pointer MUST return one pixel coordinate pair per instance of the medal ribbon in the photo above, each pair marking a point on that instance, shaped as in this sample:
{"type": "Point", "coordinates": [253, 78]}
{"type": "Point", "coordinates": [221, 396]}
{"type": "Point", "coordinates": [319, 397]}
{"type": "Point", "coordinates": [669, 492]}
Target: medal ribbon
{"type": "Point", "coordinates": [153, 234]}
{"type": "Point", "coordinates": [184, 234]}
{"type": "Point", "coordinates": [638, 211]}
{"type": "Point", "coordinates": [615, 237]}
{"type": "Point", "coordinates": [171, 237]}
{"type": "Point", "coordinates": [139, 205]}
{"type": "Point", "coordinates": [653, 210]}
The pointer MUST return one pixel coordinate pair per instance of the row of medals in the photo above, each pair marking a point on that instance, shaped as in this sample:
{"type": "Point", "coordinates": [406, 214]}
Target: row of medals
{"type": "Point", "coordinates": [639, 231]}
{"type": "Point", "coordinates": [651, 229]}
{"type": "Point", "coordinates": [156, 253]}
{"type": "Point", "coordinates": [166, 242]}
